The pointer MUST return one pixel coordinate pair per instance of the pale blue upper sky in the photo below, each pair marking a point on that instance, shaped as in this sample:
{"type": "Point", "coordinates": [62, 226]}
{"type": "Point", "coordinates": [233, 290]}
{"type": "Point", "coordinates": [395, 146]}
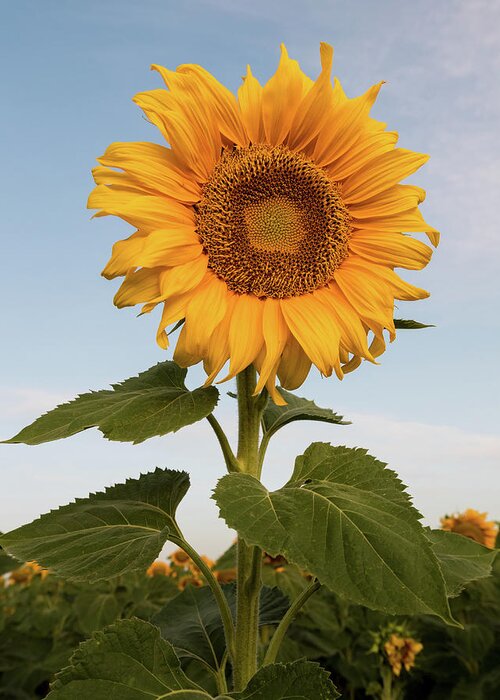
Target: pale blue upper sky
{"type": "Point", "coordinates": [69, 71]}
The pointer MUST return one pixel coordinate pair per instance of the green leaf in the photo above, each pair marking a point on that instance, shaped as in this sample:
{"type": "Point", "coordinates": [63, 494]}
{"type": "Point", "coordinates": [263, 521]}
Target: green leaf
{"type": "Point", "coordinates": [95, 610]}
{"type": "Point", "coordinates": [406, 324]}
{"type": "Point", "coordinates": [345, 518]}
{"type": "Point", "coordinates": [109, 533]}
{"type": "Point", "coordinates": [154, 403]}
{"type": "Point", "coordinates": [127, 661]}
{"type": "Point", "coordinates": [297, 408]}
{"type": "Point", "coordinates": [7, 563]}
{"type": "Point", "coordinates": [461, 559]}
{"type": "Point", "coordinates": [192, 622]}
{"type": "Point", "coordinates": [299, 680]}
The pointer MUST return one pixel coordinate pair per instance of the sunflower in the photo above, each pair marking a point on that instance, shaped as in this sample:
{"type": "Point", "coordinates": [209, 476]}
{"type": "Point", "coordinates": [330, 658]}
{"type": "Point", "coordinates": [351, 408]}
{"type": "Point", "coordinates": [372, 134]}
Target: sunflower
{"type": "Point", "coordinates": [401, 651]}
{"type": "Point", "coordinates": [158, 568]}
{"type": "Point", "coordinates": [472, 524]}
{"type": "Point", "coordinates": [272, 224]}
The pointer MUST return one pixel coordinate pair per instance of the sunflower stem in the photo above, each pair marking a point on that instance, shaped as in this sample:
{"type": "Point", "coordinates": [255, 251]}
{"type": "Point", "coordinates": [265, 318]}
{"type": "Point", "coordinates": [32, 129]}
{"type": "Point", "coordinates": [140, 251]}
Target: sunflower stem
{"type": "Point", "coordinates": [232, 463]}
{"type": "Point", "coordinates": [287, 619]}
{"type": "Point", "coordinates": [249, 556]}
{"type": "Point", "coordinates": [223, 605]}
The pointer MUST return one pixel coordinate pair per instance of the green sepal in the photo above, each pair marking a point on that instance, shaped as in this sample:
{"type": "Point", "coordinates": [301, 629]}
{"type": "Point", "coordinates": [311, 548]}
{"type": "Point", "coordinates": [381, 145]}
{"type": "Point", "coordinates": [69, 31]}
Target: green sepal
{"type": "Point", "coordinates": [297, 408]}
{"type": "Point", "coordinates": [407, 324]}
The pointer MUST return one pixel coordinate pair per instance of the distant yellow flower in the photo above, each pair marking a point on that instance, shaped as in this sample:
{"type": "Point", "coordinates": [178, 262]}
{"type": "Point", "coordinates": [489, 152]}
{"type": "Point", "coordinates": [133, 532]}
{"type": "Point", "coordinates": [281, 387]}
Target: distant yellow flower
{"type": "Point", "coordinates": [158, 568]}
{"type": "Point", "coordinates": [179, 558]}
{"type": "Point", "coordinates": [226, 575]}
{"type": "Point", "coordinates": [25, 573]}
{"type": "Point", "coordinates": [272, 224]}
{"type": "Point", "coordinates": [472, 524]}
{"type": "Point", "coordinates": [401, 651]}
{"type": "Point", "coordinates": [189, 581]}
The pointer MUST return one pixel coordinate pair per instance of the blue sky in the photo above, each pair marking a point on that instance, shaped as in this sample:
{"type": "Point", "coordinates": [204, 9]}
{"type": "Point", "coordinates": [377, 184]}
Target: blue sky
{"type": "Point", "coordinates": [69, 71]}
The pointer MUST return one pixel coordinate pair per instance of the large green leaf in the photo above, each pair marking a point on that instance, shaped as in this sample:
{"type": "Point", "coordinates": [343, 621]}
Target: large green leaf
{"type": "Point", "coordinates": [127, 661]}
{"type": "Point", "coordinates": [154, 403]}
{"type": "Point", "coordinates": [109, 533]}
{"type": "Point", "coordinates": [297, 408]}
{"type": "Point", "coordinates": [96, 609]}
{"type": "Point", "coordinates": [461, 559]}
{"type": "Point", "coordinates": [130, 661]}
{"type": "Point", "coordinates": [191, 621]}
{"type": "Point", "coordinates": [407, 324]}
{"type": "Point", "coordinates": [299, 680]}
{"type": "Point", "coordinates": [346, 519]}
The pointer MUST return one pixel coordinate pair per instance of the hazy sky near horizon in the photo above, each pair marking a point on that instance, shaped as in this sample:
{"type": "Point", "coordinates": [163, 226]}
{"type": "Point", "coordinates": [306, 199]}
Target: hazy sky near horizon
{"type": "Point", "coordinates": [69, 71]}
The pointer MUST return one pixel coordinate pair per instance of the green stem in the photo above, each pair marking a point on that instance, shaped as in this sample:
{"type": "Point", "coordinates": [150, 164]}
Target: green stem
{"type": "Point", "coordinates": [221, 675]}
{"type": "Point", "coordinates": [225, 611]}
{"type": "Point", "coordinates": [287, 619]}
{"type": "Point", "coordinates": [249, 557]}
{"type": "Point", "coordinates": [232, 463]}
{"type": "Point", "coordinates": [262, 451]}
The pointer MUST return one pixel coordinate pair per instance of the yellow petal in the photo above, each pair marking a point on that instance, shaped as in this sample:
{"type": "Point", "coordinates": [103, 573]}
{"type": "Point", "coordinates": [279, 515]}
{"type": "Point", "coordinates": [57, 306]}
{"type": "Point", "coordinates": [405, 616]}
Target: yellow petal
{"type": "Point", "coordinates": [370, 298]}
{"type": "Point", "coordinates": [145, 212]}
{"type": "Point", "coordinates": [314, 328]}
{"type": "Point", "coordinates": [124, 256]}
{"type": "Point", "coordinates": [245, 333]}
{"type": "Point", "coordinates": [169, 247]}
{"type": "Point", "coordinates": [395, 200]}
{"type": "Point", "coordinates": [380, 174]}
{"type": "Point", "coordinates": [155, 167]}
{"type": "Point", "coordinates": [390, 249]}
{"type": "Point", "coordinates": [138, 287]}
{"type": "Point", "coordinates": [206, 310]}
{"type": "Point", "coordinates": [123, 181]}
{"type": "Point", "coordinates": [352, 332]}
{"type": "Point", "coordinates": [343, 127]}
{"type": "Point", "coordinates": [353, 364]}
{"type": "Point", "coordinates": [281, 97]}
{"type": "Point", "coordinates": [174, 309]}
{"type": "Point", "coordinates": [276, 334]}
{"type": "Point", "coordinates": [182, 278]}
{"type": "Point", "coordinates": [186, 124]}
{"type": "Point", "coordinates": [366, 148]}
{"type": "Point", "coordinates": [398, 287]}
{"type": "Point", "coordinates": [183, 353]}
{"type": "Point", "coordinates": [313, 111]}
{"type": "Point", "coordinates": [294, 366]}
{"type": "Point", "coordinates": [218, 347]}
{"type": "Point", "coordinates": [221, 101]}
{"type": "Point", "coordinates": [250, 99]}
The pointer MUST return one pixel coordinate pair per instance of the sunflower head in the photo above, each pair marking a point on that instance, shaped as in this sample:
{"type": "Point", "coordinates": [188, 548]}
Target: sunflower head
{"type": "Point", "coordinates": [401, 652]}
{"type": "Point", "coordinates": [473, 524]}
{"type": "Point", "coordinates": [179, 558]}
{"type": "Point", "coordinates": [158, 568]}
{"type": "Point", "coordinates": [271, 224]}
{"type": "Point", "coordinates": [27, 572]}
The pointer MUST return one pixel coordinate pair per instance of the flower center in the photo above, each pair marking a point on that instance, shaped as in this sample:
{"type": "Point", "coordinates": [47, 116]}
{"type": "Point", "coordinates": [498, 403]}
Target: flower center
{"type": "Point", "coordinates": [272, 223]}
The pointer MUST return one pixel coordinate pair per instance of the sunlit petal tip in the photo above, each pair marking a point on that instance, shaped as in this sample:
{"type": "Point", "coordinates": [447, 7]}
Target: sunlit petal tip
{"type": "Point", "coordinates": [326, 56]}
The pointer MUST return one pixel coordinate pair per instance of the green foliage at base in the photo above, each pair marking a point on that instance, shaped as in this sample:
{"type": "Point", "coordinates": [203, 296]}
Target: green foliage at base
{"type": "Point", "coordinates": [42, 622]}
